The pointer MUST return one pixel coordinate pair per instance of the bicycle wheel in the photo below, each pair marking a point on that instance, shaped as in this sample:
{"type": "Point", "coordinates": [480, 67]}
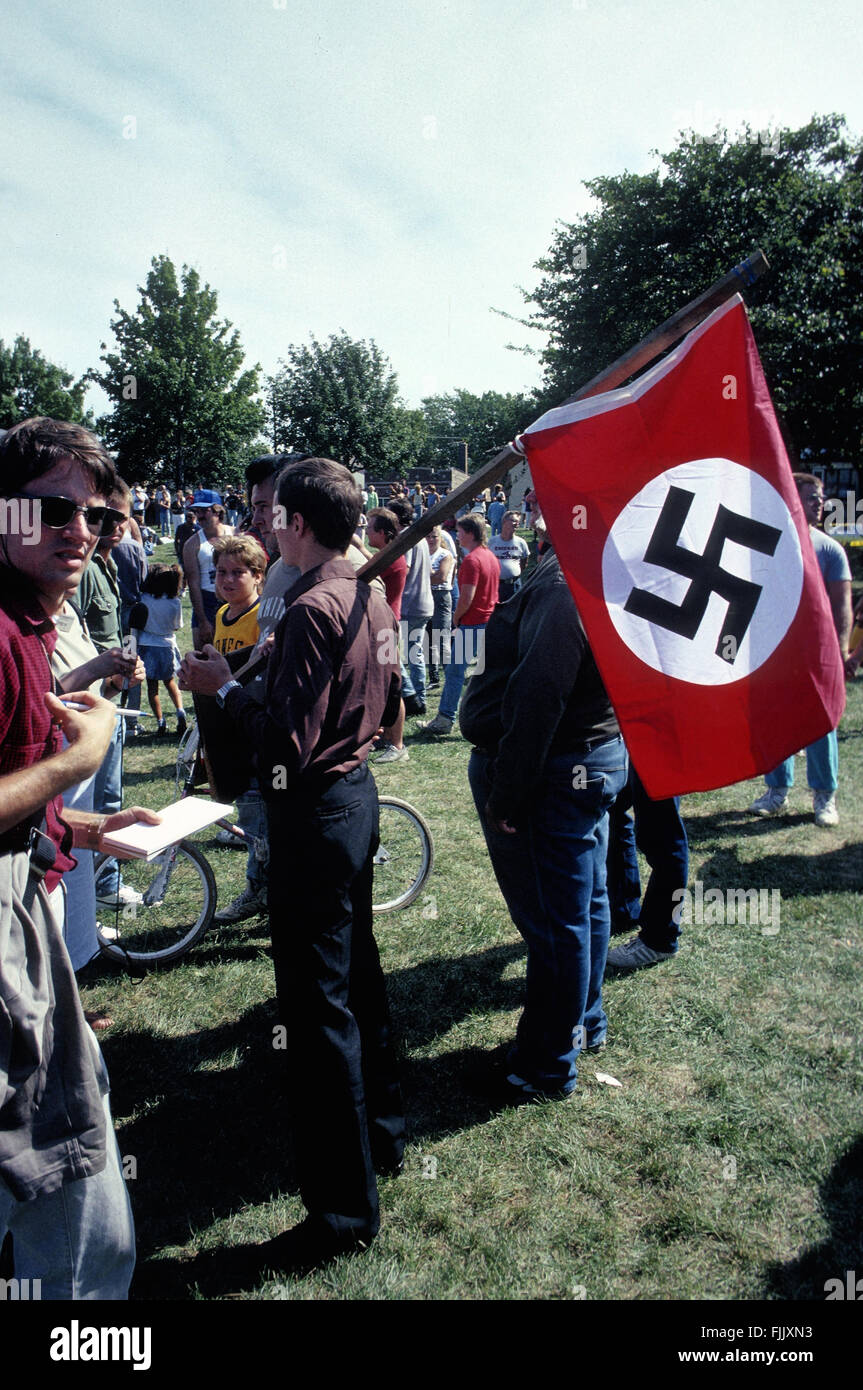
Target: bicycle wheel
{"type": "Point", "coordinates": [405, 856]}
{"type": "Point", "coordinates": [179, 901]}
{"type": "Point", "coordinates": [187, 753]}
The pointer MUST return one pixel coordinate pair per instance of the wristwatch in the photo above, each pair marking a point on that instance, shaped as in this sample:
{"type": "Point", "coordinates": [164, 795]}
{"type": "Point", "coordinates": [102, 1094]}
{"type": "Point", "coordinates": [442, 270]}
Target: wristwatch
{"type": "Point", "coordinates": [221, 693]}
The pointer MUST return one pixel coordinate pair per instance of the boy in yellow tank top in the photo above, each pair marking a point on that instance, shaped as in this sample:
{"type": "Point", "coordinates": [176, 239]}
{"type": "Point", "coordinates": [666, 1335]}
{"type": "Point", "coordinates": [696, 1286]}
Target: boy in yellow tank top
{"type": "Point", "coordinates": [240, 568]}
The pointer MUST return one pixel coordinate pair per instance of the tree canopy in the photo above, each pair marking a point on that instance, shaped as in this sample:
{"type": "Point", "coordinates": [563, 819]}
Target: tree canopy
{"type": "Point", "coordinates": [340, 399]}
{"type": "Point", "coordinates": [183, 407]}
{"type": "Point", "coordinates": [655, 241]}
{"type": "Point", "coordinates": [486, 423]}
{"type": "Point", "coordinates": [31, 385]}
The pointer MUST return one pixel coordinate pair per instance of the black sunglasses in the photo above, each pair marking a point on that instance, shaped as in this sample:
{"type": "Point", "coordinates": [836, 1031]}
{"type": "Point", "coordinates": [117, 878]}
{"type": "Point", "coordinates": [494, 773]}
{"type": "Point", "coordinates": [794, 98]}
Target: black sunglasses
{"type": "Point", "coordinates": [57, 513]}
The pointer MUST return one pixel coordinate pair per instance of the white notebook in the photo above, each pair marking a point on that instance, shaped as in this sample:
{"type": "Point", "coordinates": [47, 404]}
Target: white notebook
{"type": "Point", "coordinates": [180, 819]}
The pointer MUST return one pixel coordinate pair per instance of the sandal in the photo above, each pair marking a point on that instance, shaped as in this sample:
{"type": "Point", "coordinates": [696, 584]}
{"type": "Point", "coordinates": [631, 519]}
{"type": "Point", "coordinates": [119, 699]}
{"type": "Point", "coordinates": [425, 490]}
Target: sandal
{"type": "Point", "coordinates": [98, 1020]}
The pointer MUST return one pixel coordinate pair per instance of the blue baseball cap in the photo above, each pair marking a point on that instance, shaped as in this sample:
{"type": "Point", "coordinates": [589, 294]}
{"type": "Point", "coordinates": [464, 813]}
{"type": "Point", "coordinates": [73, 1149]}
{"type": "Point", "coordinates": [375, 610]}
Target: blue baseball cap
{"type": "Point", "coordinates": [205, 498]}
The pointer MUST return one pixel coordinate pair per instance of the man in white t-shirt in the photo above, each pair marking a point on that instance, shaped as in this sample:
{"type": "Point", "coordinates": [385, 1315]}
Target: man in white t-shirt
{"type": "Point", "coordinates": [512, 554]}
{"type": "Point", "coordinates": [822, 757]}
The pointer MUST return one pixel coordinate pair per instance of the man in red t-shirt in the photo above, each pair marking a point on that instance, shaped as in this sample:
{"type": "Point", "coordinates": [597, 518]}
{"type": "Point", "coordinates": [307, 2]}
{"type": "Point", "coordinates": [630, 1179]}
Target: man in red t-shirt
{"type": "Point", "coordinates": [478, 579]}
{"type": "Point", "coordinates": [383, 527]}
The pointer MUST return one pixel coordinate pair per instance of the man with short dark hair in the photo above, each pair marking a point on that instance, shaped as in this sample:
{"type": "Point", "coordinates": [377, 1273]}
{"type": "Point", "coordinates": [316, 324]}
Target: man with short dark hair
{"type": "Point", "coordinates": [99, 603]}
{"type": "Point", "coordinates": [332, 681]}
{"type": "Point", "coordinates": [61, 1187]}
{"type": "Point", "coordinates": [261, 476]}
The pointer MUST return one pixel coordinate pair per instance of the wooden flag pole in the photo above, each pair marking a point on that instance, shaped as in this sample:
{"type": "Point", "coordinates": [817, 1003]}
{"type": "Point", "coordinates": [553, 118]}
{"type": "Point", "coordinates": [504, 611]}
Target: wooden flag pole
{"type": "Point", "coordinates": [635, 360]}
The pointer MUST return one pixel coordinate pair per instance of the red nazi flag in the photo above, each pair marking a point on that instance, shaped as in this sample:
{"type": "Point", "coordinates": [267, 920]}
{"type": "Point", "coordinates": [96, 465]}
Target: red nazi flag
{"type": "Point", "coordinates": [677, 523]}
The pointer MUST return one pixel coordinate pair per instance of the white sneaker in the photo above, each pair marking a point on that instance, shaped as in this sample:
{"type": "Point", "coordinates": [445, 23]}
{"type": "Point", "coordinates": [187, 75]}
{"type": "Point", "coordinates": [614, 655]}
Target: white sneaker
{"type": "Point", "coordinates": [232, 841]}
{"type": "Point", "coordinates": [824, 806]}
{"type": "Point", "coordinates": [127, 896]}
{"type": "Point", "coordinates": [635, 954]}
{"type": "Point", "coordinates": [390, 754]}
{"type": "Point", "coordinates": [771, 802]}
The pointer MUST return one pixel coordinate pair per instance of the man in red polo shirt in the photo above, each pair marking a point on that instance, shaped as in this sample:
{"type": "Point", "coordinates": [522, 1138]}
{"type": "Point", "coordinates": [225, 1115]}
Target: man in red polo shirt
{"type": "Point", "coordinates": [478, 580]}
{"type": "Point", "coordinates": [61, 1188]}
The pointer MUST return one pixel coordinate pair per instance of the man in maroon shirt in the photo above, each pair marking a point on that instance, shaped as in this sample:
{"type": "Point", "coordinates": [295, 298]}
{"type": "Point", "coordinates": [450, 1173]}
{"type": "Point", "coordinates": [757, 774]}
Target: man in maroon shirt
{"type": "Point", "coordinates": [478, 580]}
{"type": "Point", "coordinates": [61, 1189]}
{"type": "Point", "coordinates": [332, 681]}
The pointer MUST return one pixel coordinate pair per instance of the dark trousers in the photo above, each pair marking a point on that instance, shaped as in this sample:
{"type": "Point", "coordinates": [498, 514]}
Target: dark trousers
{"type": "Point", "coordinates": [658, 831]}
{"type": "Point", "coordinates": [342, 1085]}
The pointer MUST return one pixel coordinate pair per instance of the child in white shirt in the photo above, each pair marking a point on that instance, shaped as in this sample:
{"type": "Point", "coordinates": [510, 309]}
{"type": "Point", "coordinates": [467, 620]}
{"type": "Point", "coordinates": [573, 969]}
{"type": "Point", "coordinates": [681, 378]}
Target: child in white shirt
{"type": "Point", "coordinates": [156, 618]}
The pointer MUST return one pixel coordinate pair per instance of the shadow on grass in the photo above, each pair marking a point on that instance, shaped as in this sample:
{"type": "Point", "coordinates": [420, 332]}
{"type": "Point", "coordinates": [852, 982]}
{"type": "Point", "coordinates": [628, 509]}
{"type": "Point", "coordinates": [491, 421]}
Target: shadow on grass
{"type": "Point", "coordinates": [742, 825]}
{"type": "Point", "coordinates": [846, 735]}
{"type": "Point", "coordinates": [795, 875]}
{"type": "Point", "coordinates": [212, 1135]}
{"type": "Point", "coordinates": [842, 1204]}
{"type": "Point", "coordinates": [154, 774]}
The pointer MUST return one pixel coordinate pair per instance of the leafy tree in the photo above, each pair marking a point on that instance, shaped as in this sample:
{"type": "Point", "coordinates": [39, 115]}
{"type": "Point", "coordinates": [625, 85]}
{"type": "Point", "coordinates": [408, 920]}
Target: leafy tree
{"type": "Point", "coordinates": [183, 406]}
{"type": "Point", "coordinates": [31, 385]}
{"type": "Point", "coordinates": [340, 400]}
{"type": "Point", "coordinates": [486, 423]}
{"type": "Point", "coordinates": [656, 240]}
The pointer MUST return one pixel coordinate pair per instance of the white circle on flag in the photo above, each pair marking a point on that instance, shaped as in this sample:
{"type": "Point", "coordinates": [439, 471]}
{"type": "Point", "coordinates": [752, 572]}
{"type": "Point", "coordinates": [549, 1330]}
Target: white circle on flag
{"type": "Point", "coordinates": [712, 483]}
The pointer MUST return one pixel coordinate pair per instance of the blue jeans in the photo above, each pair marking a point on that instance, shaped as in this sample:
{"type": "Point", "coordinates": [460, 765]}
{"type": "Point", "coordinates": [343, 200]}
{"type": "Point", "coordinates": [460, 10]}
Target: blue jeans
{"type": "Point", "coordinates": [465, 646]}
{"type": "Point", "coordinates": [107, 799]}
{"type": "Point", "coordinates": [552, 876]}
{"type": "Point", "coordinates": [439, 629]}
{"type": "Point", "coordinates": [822, 766]}
{"type": "Point", "coordinates": [414, 664]}
{"type": "Point", "coordinates": [252, 818]}
{"type": "Point", "coordinates": [660, 834]}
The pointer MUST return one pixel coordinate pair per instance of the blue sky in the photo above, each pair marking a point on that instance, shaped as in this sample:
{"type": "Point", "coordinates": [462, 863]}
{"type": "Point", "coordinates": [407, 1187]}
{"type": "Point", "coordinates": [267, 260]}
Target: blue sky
{"type": "Point", "coordinates": [390, 169]}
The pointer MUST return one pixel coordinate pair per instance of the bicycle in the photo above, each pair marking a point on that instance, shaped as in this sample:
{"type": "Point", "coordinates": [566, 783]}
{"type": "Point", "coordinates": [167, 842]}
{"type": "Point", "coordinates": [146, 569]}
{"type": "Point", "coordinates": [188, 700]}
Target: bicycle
{"type": "Point", "coordinates": [179, 894]}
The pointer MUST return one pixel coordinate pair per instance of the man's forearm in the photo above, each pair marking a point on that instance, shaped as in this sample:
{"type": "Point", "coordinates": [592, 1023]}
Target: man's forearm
{"type": "Point", "coordinates": [464, 602]}
{"type": "Point", "coordinates": [22, 793]}
{"type": "Point", "coordinates": [840, 604]}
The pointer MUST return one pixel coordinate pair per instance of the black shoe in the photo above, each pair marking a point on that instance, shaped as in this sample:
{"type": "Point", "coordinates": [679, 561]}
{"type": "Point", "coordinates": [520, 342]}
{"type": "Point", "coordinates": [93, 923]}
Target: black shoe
{"type": "Point", "coordinates": [389, 1163]}
{"type": "Point", "coordinates": [414, 705]}
{"type": "Point", "coordinates": [307, 1247]}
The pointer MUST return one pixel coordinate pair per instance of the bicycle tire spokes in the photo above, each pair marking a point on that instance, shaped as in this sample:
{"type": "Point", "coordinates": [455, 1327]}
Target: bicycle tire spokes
{"type": "Point", "coordinates": [154, 894]}
{"type": "Point", "coordinates": [178, 894]}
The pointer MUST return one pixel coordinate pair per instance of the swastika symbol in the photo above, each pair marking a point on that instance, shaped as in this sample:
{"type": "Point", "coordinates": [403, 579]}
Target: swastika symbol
{"type": "Point", "coordinates": [705, 572]}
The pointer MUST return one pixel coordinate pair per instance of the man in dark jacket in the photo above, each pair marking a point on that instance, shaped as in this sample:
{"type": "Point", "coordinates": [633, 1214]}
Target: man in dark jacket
{"type": "Point", "coordinates": [547, 765]}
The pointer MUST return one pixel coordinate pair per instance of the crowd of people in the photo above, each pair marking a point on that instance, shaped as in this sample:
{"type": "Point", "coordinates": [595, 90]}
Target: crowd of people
{"type": "Point", "coordinates": [289, 649]}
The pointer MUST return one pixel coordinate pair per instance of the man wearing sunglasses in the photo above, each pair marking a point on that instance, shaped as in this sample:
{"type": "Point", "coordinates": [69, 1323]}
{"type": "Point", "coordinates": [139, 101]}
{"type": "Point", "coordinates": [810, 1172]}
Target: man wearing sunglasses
{"type": "Point", "coordinates": [62, 1194]}
{"type": "Point", "coordinates": [98, 600]}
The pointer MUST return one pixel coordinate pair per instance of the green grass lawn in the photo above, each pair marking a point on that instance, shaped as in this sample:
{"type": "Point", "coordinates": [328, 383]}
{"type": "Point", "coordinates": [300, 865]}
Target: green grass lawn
{"type": "Point", "coordinates": [726, 1164]}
